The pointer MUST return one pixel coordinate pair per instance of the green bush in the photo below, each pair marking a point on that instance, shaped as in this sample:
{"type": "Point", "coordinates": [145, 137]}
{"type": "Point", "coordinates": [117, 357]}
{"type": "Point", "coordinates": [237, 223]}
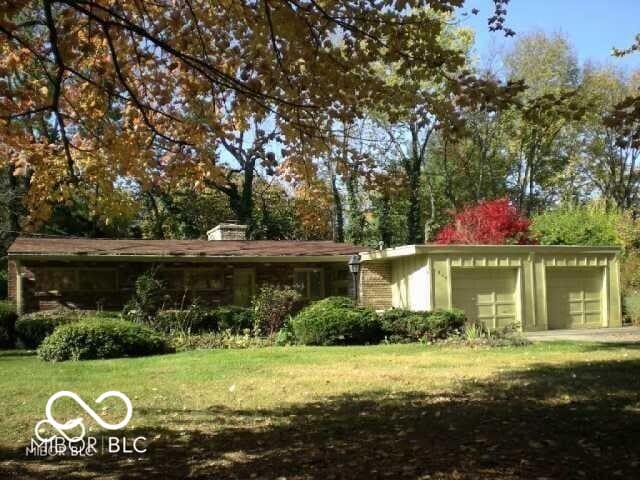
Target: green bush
{"type": "Point", "coordinates": [443, 323]}
{"type": "Point", "coordinates": [577, 225]}
{"type": "Point", "coordinates": [8, 318]}
{"type": "Point", "coordinates": [147, 300]}
{"type": "Point", "coordinates": [4, 285]}
{"type": "Point", "coordinates": [223, 339]}
{"type": "Point", "coordinates": [406, 326]}
{"type": "Point", "coordinates": [631, 308]}
{"type": "Point", "coordinates": [197, 319]}
{"type": "Point", "coordinates": [335, 321]}
{"type": "Point", "coordinates": [272, 305]}
{"type": "Point", "coordinates": [33, 328]}
{"type": "Point", "coordinates": [99, 338]}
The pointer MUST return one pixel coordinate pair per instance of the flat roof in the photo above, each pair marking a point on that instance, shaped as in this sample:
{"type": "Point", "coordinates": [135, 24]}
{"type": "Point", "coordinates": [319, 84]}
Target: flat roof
{"type": "Point", "coordinates": [408, 250]}
{"type": "Point", "coordinates": [100, 248]}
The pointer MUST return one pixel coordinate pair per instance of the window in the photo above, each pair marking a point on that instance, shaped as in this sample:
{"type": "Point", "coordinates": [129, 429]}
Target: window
{"type": "Point", "coordinates": [205, 279]}
{"type": "Point", "coordinates": [56, 279]}
{"type": "Point", "coordinates": [97, 279]}
{"type": "Point", "coordinates": [172, 278]}
{"type": "Point", "coordinates": [310, 281]}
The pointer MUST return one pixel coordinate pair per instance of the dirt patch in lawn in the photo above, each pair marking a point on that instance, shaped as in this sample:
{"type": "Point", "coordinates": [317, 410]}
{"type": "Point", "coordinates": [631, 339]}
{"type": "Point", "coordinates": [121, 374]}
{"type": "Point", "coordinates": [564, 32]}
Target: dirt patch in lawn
{"type": "Point", "coordinates": [576, 420]}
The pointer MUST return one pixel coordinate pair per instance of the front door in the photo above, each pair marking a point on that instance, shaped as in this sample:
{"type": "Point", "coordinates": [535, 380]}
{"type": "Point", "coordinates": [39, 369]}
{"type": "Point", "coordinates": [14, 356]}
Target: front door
{"type": "Point", "coordinates": [244, 280]}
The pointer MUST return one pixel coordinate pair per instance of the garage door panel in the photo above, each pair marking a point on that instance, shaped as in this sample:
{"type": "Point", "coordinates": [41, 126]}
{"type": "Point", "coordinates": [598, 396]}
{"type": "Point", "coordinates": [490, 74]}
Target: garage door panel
{"type": "Point", "coordinates": [574, 297]}
{"type": "Point", "coordinates": [486, 294]}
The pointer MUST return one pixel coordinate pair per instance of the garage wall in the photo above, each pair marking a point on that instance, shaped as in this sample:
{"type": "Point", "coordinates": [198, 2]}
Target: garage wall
{"type": "Point", "coordinates": [411, 283]}
{"type": "Point", "coordinates": [532, 271]}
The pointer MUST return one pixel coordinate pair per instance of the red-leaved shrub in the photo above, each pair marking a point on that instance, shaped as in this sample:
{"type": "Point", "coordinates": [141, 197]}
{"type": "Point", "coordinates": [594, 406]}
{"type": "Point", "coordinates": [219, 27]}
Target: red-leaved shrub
{"type": "Point", "coordinates": [495, 222]}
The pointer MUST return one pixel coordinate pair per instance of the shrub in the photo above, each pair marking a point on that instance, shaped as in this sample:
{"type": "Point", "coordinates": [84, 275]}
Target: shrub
{"type": "Point", "coordinates": [335, 321]}
{"type": "Point", "coordinates": [232, 318]}
{"type": "Point", "coordinates": [99, 338]}
{"type": "Point", "coordinates": [476, 334]}
{"type": "Point", "coordinates": [33, 328]}
{"type": "Point", "coordinates": [404, 325]}
{"type": "Point", "coordinates": [223, 339]}
{"type": "Point", "coordinates": [8, 318]}
{"type": "Point", "coordinates": [272, 305]}
{"type": "Point", "coordinates": [196, 319]}
{"type": "Point", "coordinates": [147, 299]}
{"type": "Point", "coordinates": [631, 308]}
{"type": "Point", "coordinates": [443, 323]}
{"type": "Point", "coordinates": [4, 284]}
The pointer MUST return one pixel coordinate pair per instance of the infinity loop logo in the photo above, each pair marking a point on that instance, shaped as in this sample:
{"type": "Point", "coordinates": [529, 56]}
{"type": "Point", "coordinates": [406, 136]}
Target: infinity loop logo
{"type": "Point", "coordinates": [63, 428]}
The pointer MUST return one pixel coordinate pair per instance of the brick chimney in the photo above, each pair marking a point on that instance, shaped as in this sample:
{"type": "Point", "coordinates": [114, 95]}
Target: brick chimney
{"type": "Point", "coordinates": [227, 231]}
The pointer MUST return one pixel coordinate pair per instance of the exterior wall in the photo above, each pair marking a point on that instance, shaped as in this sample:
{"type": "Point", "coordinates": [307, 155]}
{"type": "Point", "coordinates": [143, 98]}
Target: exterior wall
{"type": "Point", "coordinates": [411, 283]}
{"type": "Point", "coordinates": [424, 281]}
{"type": "Point", "coordinates": [91, 292]}
{"type": "Point", "coordinates": [375, 285]}
{"type": "Point", "coordinates": [11, 281]}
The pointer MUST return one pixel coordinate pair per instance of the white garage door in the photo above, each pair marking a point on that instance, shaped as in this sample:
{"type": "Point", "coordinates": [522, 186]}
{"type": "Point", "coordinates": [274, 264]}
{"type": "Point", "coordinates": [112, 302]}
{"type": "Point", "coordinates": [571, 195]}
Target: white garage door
{"type": "Point", "coordinates": [574, 297]}
{"type": "Point", "coordinates": [486, 294]}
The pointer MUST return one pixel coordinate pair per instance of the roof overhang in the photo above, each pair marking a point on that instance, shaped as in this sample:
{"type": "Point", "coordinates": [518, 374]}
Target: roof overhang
{"type": "Point", "coordinates": [179, 258]}
{"type": "Point", "coordinates": [409, 250]}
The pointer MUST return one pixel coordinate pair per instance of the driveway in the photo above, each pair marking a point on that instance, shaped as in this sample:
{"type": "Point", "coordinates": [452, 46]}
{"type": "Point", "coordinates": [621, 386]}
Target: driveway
{"type": "Point", "coordinates": [605, 335]}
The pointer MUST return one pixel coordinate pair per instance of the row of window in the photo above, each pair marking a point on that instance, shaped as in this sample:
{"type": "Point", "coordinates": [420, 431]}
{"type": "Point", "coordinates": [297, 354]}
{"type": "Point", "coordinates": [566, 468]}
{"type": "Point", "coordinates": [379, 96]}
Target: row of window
{"type": "Point", "coordinates": [108, 279]}
{"type": "Point", "coordinates": [310, 281]}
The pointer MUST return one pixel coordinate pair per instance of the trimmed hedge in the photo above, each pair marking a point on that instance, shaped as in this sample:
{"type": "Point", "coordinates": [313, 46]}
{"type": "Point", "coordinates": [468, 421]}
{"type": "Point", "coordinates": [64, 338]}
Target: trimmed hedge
{"type": "Point", "coordinates": [8, 317]}
{"type": "Point", "coordinates": [33, 328]}
{"type": "Point", "coordinates": [99, 338]}
{"type": "Point", "coordinates": [335, 321]}
{"type": "Point", "coordinates": [404, 325]}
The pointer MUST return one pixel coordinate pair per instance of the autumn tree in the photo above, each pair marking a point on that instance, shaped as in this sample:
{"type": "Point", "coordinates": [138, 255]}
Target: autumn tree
{"type": "Point", "coordinates": [495, 222]}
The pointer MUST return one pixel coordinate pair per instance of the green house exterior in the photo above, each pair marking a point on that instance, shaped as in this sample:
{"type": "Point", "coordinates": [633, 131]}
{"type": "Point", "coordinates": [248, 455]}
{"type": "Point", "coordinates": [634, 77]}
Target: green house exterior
{"type": "Point", "coordinates": [536, 287]}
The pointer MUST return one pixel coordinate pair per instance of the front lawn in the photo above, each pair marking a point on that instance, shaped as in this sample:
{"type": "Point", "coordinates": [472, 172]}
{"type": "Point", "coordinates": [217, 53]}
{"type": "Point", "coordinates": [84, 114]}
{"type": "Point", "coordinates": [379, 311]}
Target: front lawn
{"type": "Point", "coordinates": [557, 410]}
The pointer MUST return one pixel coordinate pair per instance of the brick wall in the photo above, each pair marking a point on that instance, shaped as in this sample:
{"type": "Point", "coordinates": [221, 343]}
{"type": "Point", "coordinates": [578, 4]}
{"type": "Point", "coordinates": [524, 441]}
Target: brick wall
{"type": "Point", "coordinates": [375, 285]}
{"type": "Point", "coordinates": [85, 296]}
{"type": "Point", "coordinates": [11, 281]}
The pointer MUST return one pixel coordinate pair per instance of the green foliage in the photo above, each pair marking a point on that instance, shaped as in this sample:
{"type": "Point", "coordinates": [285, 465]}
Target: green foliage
{"type": "Point", "coordinates": [577, 225]}
{"type": "Point", "coordinates": [335, 321]}
{"type": "Point", "coordinates": [477, 334]}
{"type": "Point", "coordinates": [404, 325]}
{"type": "Point", "coordinates": [197, 319]}
{"type": "Point", "coordinates": [631, 308]}
{"type": "Point", "coordinates": [286, 335]}
{"type": "Point", "coordinates": [3, 283]}
{"type": "Point", "coordinates": [225, 339]}
{"type": "Point", "coordinates": [8, 318]}
{"type": "Point", "coordinates": [147, 300]}
{"type": "Point", "coordinates": [33, 328]}
{"type": "Point", "coordinates": [100, 338]}
{"type": "Point", "coordinates": [272, 305]}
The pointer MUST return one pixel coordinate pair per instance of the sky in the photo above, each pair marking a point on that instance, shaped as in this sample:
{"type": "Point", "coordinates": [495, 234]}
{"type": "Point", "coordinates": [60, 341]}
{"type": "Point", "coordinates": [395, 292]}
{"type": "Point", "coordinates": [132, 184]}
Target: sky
{"type": "Point", "coordinates": [594, 27]}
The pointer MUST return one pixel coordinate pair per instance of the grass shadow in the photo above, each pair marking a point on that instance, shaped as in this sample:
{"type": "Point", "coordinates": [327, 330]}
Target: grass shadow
{"type": "Point", "coordinates": [576, 420]}
{"type": "Point", "coordinates": [17, 353]}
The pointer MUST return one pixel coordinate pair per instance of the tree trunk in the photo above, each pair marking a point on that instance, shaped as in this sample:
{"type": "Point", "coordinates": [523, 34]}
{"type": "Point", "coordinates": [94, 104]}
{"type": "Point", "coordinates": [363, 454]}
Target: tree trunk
{"type": "Point", "coordinates": [338, 216]}
{"type": "Point", "coordinates": [356, 218]}
{"type": "Point", "coordinates": [415, 233]}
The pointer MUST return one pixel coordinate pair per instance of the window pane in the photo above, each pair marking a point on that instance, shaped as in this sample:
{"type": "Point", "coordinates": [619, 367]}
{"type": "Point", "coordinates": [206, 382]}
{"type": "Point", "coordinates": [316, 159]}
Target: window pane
{"type": "Point", "coordinates": [315, 284]}
{"type": "Point", "coordinates": [56, 279]}
{"type": "Point", "coordinates": [205, 279]}
{"type": "Point", "coordinates": [99, 279]}
{"type": "Point", "coordinates": [301, 283]}
{"type": "Point", "coordinates": [172, 279]}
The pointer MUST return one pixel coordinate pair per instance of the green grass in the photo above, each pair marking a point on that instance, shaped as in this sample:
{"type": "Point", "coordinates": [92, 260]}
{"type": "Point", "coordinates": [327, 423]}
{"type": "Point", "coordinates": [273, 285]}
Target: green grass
{"type": "Point", "coordinates": [546, 410]}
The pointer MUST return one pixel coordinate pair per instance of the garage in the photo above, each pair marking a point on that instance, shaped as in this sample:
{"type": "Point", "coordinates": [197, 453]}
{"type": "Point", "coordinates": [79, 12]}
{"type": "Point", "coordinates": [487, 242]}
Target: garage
{"type": "Point", "coordinates": [575, 297]}
{"type": "Point", "coordinates": [488, 295]}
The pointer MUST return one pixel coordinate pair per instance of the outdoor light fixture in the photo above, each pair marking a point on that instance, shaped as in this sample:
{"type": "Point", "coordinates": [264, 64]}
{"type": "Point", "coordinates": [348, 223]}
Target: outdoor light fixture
{"type": "Point", "coordinates": [354, 268]}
